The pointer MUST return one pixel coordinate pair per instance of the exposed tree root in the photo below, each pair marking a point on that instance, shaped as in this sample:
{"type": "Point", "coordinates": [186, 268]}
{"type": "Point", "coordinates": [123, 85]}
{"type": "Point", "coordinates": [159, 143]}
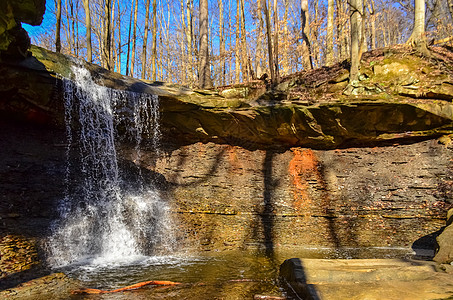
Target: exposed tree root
{"type": "Point", "coordinates": [85, 291]}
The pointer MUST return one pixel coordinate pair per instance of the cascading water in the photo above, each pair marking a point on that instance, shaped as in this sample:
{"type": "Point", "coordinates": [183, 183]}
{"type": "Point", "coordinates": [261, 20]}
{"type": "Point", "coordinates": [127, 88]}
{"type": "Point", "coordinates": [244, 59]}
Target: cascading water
{"type": "Point", "coordinates": [100, 219]}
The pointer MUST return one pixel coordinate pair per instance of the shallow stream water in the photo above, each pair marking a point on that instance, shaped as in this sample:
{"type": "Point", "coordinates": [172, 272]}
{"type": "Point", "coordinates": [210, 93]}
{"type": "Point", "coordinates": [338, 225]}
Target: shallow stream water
{"type": "Point", "coordinates": [210, 275]}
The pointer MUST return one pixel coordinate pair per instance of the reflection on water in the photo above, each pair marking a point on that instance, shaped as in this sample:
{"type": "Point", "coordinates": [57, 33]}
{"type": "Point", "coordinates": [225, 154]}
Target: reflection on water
{"type": "Point", "coordinates": [213, 275]}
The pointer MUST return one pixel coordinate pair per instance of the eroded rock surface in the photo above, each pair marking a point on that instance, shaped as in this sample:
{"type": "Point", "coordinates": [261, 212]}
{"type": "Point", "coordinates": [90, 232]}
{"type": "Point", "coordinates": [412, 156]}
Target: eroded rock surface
{"type": "Point", "coordinates": [296, 115]}
{"type": "Point", "coordinates": [228, 197]}
{"type": "Point", "coordinates": [366, 279]}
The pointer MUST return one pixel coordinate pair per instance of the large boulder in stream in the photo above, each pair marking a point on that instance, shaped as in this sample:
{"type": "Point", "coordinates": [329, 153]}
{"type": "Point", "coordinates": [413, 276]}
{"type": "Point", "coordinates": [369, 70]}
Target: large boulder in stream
{"type": "Point", "coordinates": [306, 109]}
{"type": "Point", "coordinates": [444, 253]}
{"type": "Point", "coordinates": [365, 279]}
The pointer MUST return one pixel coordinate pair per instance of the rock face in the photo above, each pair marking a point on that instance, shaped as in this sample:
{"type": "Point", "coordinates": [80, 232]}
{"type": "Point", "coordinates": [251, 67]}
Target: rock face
{"type": "Point", "coordinates": [14, 40]}
{"type": "Point", "coordinates": [229, 197]}
{"type": "Point", "coordinates": [31, 89]}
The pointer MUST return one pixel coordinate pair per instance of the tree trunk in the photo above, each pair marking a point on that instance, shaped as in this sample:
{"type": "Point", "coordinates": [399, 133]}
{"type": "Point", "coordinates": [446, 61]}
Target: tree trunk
{"type": "Point", "coordinates": [119, 50]}
{"type": "Point", "coordinates": [343, 30]}
{"type": "Point", "coordinates": [154, 46]}
{"type": "Point", "coordinates": [145, 39]}
{"type": "Point", "coordinates": [362, 20]}
{"type": "Point", "coordinates": [190, 42]}
{"type": "Point", "coordinates": [73, 31]}
{"type": "Point", "coordinates": [286, 46]}
{"type": "Point", "coordinates": [259, 44]}
{"type": "Point", "coordinates": [184, 63]}
{"type": "Point", "coordinates": [238, 42]}
{"type": "Point", "coordinates": [307, 48]}
{"type": "Point", "coordinates": [417, 38]}
{"type": "Point", "coordinates": [204, 73]}
{"type": "Point", "coordinates": [86, 7]}
{"type": "Point", "coordinates": [134, 38]}
{"type": "Point", "coordinates": [313, 29]}
{"type": "Point", "coordinates": [276, 52]}
{"type": "Point", "coordinates": [355, 31]}
{"type": "Point", "coordinates": [329, 35]}
{"type": "Point", "coordinates": [58, 28]}
{"type": "Point", "coordinates": [221, 45]}
{"type": "Point", "coordinates": [107, 38]}
{"type": "Point", "coordinates": [370, 4]}
{"type": "Point", "coordinates": [129, 41]}
{"type": "Point", "coordinates": [269, 41]}
{"type": "Point", "coordinates": [244, 55]}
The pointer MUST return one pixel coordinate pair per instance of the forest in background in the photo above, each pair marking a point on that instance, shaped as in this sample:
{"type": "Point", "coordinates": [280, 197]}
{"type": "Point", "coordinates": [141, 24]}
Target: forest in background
{"type": "Point", "coordinates": [163, 40]}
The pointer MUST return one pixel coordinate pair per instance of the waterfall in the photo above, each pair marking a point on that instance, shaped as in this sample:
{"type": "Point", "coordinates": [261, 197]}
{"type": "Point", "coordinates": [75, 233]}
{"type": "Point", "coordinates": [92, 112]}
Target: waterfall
{"type": "Point", "coordinates": [100, 217]}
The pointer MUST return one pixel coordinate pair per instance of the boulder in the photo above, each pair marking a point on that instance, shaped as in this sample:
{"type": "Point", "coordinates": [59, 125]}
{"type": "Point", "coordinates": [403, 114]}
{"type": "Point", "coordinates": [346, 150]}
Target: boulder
{"type": "Point", "coordinates": [365, 279]}
{"type": "Point", "coordinates": [444, 253]}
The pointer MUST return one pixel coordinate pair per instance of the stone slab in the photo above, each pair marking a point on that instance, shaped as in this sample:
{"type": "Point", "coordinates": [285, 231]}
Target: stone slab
{"type": "Point", "coordinates": [322, 279]}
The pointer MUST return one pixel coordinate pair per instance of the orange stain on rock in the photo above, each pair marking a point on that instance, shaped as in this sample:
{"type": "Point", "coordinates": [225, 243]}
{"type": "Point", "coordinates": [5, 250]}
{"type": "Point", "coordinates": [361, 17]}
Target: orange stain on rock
{"type": "Point", "coordinates": [302, 167]}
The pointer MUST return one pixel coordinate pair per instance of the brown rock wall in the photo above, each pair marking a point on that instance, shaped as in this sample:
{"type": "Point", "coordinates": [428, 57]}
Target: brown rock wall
{"type": "Point", "coordinates": [228, 197]}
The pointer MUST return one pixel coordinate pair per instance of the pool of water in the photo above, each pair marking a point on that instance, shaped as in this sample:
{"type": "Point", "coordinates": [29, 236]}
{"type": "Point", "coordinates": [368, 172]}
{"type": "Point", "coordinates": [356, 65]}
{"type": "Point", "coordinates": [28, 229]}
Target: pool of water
{"type": "Point", "coordinates": [210, 275]}
{"type": "Point", "coordinates": [232, 275]}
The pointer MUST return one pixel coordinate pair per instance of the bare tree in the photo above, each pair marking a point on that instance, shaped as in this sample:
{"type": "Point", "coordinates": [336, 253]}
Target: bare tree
{"type": "Point", "coordinates": [259, 42]}
{"type": "Point", "coordinates": [362, 28]}
{"type": "Point", "coordinates": [329, 35]}
{"type": "Point", "coordinates": [118, 48]}
{"type": "Point", "coordinates": [129, 39]}
{"type": "Point", "coordinates": [243, 54]}
{"type": "Point", "coordinates": [355, 32]}
{"type": "Point", "coordinates": [86, 7]}
{"type": "Point", "coordinates": [204, 73]}
{"type": "Point", "coordinates": [304, 30]}
{"type": "Point", "coordinates": [107, 36]}
{"type": "Point", "coordinates": [154, 46]}
{"type": "Point", "coordinates": [269, 41]}
{"type": "Point", "coordinates": [238, 42]}
{"type": "Point", "coordinates": [370, 4]}
{"type": "Point", "coordinates": [134, 39]}
{"type": "Point", "coordinates": [190, 42]}
{"type": "Point", "coordinates": [417, 37]}
{"type": "Point", "coordinates": [145, 39]}
{"type": "Point", "coordinates": [221, 45]}
{"type": "Point", "coordinates": [58, 28]}
{"type": "Point", "coordinates": [276, 54]}
{"type": "Point", "coordinates": [286, 46]}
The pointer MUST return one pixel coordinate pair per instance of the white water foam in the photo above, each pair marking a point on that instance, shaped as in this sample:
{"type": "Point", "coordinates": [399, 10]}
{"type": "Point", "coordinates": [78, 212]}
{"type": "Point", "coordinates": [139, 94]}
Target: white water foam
{"type": "Point", "coordinates": [101, 220]}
